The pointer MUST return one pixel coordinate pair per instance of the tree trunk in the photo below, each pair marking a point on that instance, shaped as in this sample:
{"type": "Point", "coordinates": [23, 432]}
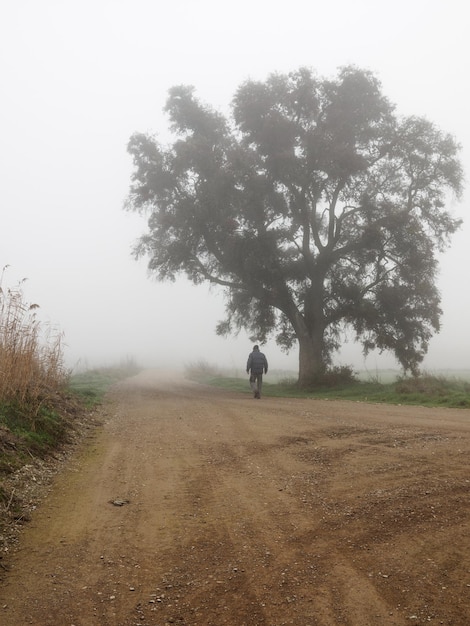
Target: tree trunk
{"type": "Point", "coordinates": [309, 330]}
{"type": "Point", "coordinates": [310, 357]}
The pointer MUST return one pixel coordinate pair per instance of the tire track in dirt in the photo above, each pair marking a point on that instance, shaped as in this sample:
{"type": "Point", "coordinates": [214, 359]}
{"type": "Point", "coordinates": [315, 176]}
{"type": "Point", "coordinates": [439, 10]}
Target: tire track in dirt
{"type": "Point", "coordinates": [266, 529]}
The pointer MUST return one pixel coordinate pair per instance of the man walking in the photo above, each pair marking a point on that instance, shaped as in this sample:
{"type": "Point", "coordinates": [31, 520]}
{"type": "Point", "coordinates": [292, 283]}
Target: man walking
{"type": "Point", "coordinates": [255, 366]}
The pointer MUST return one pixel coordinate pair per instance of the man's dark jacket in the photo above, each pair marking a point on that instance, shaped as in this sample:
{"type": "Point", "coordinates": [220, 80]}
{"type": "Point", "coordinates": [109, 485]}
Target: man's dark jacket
{"type": "Point", "coordinates": [257, 363]}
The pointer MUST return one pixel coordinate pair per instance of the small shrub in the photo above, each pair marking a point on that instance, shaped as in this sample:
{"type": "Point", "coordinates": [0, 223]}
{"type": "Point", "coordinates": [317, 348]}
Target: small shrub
{"type": "Point", "coordinates": [337, 376]}
{"type": "Point", "coordinates": [427, 384]}
{"type": "Point", "coordinates": [201, 370]}
{"type": "Point", "coordinates": [435, 390]}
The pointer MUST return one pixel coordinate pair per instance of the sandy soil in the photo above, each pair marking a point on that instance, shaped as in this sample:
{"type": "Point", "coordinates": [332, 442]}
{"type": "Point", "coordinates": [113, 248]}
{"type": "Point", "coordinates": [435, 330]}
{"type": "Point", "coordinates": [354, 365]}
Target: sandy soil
{"type": "Point", "coordinates": [245, 512]}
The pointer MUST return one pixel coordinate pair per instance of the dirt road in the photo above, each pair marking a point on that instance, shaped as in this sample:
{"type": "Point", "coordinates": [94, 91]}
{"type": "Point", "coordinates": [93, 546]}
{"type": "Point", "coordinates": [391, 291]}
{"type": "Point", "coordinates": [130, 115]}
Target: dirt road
{"type": "Point", "coordinates": [245, 512]}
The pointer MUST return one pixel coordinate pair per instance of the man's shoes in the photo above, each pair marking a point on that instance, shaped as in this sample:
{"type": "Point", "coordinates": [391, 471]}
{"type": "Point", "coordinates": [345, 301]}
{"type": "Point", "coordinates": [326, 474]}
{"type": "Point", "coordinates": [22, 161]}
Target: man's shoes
{"type": "Point", "coordinates": [257, 396]}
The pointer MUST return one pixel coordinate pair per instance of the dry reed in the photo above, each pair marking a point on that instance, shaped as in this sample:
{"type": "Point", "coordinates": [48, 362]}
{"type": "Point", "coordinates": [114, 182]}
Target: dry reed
{"type": "Point", "coordinates": [31, 355]}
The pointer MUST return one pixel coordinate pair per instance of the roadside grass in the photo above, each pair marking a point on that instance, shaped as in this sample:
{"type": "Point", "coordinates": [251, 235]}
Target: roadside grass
{"type": "Point", "coordinates": [425, 390]}
{"type": "Point", "coordinates": [91, 385]}
{"type": "Point", "coordinates": [25, 434]}
{"type": "Point", "coordinates": [32, 380]}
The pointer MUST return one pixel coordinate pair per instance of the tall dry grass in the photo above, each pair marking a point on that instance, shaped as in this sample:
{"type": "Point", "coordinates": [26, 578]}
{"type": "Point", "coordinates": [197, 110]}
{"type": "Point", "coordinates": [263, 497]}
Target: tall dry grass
{"type": "Point", "coordinates": [31, 354]}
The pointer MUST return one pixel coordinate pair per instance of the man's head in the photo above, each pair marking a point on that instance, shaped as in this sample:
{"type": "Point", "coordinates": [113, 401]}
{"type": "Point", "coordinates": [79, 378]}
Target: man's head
{"type": "Point", "coordinates": [255, 347]}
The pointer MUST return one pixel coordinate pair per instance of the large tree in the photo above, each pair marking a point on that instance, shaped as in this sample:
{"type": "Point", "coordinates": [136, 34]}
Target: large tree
{"type": "Point", "coordinates": [317, 208]}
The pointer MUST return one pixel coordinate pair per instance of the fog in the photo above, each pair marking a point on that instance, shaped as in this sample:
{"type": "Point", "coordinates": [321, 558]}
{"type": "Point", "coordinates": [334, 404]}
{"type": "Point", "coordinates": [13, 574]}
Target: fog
{"type": "Point", "coordinates": [79, 77]}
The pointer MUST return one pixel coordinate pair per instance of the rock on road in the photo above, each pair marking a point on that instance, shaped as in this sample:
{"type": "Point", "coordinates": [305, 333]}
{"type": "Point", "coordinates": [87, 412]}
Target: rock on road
{"type": "Point", "coordinates": [200, 507]}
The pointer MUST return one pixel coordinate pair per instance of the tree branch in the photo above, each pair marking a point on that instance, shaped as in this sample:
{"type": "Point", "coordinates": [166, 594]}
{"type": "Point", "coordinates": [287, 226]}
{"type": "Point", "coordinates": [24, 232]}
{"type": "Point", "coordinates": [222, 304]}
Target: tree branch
{"type": "Point", "coordinates": [215, 279]}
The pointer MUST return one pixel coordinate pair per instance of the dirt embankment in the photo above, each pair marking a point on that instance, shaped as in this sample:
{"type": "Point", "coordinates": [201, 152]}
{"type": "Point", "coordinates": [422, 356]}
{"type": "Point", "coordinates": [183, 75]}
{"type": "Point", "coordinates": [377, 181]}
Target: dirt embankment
{"type": "Point", "coordinates": [196, 507]}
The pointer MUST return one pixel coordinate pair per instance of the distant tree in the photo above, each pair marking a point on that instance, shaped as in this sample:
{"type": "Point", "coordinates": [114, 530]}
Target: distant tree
{"type": "Point", "coordinates": [315, 206]}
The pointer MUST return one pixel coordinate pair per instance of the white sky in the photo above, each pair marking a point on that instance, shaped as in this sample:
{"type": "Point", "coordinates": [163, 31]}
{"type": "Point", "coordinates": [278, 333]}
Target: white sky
{"type": "Point", "coordinates": [78, 77]}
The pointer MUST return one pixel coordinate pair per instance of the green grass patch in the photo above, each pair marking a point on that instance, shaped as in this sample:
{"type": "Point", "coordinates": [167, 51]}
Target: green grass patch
{"type": "Point", "coordinates": [90, 386]}
{"type": "Point", "coordinates": [25, 433]}
{"type": "Point", "coordinates": [426, 390]}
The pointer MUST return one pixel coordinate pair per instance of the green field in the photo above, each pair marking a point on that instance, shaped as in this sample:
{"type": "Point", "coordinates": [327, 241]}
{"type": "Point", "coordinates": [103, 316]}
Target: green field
{"type": "Point", "coordinates": [449, 388]}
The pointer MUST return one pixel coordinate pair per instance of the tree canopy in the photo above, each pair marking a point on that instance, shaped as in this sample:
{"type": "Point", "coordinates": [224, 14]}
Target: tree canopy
{"type": "Point", "coordinates": [314, 204]}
